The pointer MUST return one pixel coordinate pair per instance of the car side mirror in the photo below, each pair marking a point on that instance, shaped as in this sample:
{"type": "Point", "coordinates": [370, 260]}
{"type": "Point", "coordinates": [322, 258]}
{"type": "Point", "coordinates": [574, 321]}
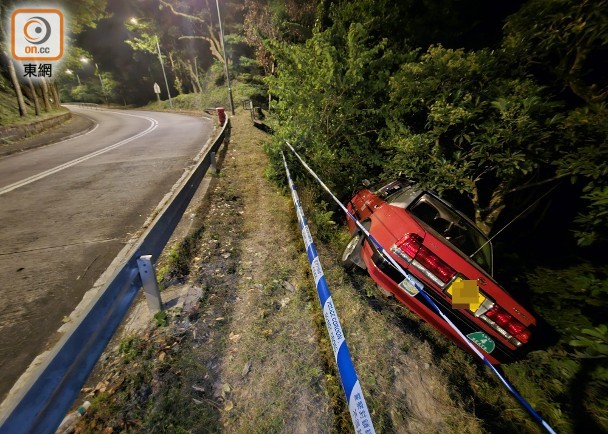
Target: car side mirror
{"type": "Point", "coordinates": [366, 183]}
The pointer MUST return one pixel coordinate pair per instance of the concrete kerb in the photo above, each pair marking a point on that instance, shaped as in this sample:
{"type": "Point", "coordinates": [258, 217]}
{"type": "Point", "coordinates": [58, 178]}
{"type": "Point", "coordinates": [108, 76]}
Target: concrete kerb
{"type": "Point", "coordinates": [9, 149]}
{"type": "Point", "coordinates": [20, 131]}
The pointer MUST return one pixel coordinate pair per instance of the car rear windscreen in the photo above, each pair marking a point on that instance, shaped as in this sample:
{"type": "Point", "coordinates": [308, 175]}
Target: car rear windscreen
{"type": "Point", "coordinates": [457, 230]}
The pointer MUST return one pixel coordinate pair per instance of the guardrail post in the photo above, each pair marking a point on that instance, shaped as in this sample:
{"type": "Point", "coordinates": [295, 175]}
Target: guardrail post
{"type": "Point", "coordinates": [148, 280]}
{"type": "Point", "coordinates": [213, 163]}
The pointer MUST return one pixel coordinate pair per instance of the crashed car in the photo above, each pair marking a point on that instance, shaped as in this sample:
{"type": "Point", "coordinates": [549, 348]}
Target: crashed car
{"type": "Point", "coordinates": [439, 247]}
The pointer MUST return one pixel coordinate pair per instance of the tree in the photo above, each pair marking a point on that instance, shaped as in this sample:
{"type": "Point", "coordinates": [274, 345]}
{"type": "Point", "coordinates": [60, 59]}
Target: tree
{"type": "Point", "coordinates": [330, 91]}
{"type": "Point", "coordinates": [567, 39]}
{"type": "Point", "coordinates": [16, 85]}
{"type": "Point", "coordinates": [467, 121]}
{"type": "Point", "coordinates": [271, 20]}
{"type": "Point", "coordinates": [201, 17]}
{"type": "Point", "coordinates": [146, 35]}
{"type": "Point", "coordinates": [564, 43]}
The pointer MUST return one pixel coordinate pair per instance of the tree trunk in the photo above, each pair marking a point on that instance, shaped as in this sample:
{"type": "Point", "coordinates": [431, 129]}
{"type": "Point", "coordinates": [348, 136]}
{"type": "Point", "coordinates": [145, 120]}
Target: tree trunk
{"type": "Point", "coordinates": [55, 93]}
{"type": "Point", "coordinates": [45, 95]}
{"type": "Point", "coordinates": [485, 217]}
{"type": "Point", "coordinates": [16, 85]}
{"type": "Point", "coordinates": [216, 49]}
{"type": "Point", "coordinates": [214, 43]}
{"type": "Point", "coordinates": [193, 78]}
{"type": "Point", "coordinates": [178, 80]}
{"type": "Point", "coordinates": [34, 96]}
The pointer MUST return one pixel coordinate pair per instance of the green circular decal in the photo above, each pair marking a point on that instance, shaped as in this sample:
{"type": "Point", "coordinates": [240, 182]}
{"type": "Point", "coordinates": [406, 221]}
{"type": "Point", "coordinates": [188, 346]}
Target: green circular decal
{"type": "Point", "coordinates": [483, 341]}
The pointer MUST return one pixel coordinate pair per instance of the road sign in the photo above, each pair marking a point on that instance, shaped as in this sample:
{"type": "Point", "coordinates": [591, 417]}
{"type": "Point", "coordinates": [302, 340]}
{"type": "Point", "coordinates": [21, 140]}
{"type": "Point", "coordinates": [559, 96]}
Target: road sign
{"type": "Point", "coordinates": [156, 88]}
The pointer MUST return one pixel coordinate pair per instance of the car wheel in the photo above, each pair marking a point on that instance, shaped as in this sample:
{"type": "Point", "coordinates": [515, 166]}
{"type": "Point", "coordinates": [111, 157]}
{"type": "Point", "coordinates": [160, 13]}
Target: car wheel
{"type": "Point", "coordinates": [352, 253]}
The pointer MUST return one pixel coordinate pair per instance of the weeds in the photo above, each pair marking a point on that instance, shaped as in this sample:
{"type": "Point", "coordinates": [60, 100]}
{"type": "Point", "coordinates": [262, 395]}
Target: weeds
{"type": "Point", "coordinates": [130, 348]}
{"type": "Point", "coordinates": [177, 264]}
{"type": "Point", "coordinates": [161, 318]}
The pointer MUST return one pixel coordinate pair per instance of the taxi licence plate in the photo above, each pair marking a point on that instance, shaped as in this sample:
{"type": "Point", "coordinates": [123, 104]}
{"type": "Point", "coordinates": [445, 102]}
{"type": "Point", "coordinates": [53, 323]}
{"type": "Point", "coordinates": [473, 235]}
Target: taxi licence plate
{"type": "Point", "coordinates": [411, 285]}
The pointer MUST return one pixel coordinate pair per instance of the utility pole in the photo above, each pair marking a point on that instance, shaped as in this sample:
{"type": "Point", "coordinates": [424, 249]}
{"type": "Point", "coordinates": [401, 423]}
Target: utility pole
{"type": "Point", "coordinates": [103, 89]}
{"type": "Point", "coordinates": [160, 58]}
{"type": "Point", "coordinates": [219, 17]}
{"type": "Point", "coordinates": [196, 72]}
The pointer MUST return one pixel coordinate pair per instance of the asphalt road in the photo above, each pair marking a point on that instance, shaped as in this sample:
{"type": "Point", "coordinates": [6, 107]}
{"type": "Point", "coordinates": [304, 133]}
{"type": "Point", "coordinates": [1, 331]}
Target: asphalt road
{"type": "Point", "coordinates": [68, 208]}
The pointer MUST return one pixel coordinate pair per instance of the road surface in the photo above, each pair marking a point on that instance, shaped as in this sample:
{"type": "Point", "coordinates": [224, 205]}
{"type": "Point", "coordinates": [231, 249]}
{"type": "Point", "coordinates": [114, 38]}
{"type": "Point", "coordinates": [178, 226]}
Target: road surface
{"type": "Point", "coordinates": [67, 209]}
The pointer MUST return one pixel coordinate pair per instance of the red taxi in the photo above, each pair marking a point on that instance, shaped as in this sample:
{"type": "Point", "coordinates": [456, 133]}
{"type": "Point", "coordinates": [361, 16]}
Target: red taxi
{"type": "Point", "coordinates": [437, 246]}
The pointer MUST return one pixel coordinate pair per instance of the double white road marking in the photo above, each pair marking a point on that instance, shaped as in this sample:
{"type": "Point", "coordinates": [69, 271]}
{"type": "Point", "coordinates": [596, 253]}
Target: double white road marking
{"type": "Point", "coordinates": [41, 175]}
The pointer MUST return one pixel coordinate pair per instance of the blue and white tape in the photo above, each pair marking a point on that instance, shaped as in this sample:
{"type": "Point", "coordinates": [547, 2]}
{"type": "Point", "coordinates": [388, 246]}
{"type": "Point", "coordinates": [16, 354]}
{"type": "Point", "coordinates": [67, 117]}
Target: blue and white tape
{"type": "Point", "coordinates": [422, 292]}
{"type": "Point", "coordinates": [350, 382]}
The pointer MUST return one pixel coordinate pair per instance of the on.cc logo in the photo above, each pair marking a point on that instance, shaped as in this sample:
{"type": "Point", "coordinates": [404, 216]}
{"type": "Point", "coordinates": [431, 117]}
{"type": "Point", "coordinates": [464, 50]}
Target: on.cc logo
{"type": "Point", "coordinates": [37, 30]}
{"type": "Point", "coordinates": [37, 34]}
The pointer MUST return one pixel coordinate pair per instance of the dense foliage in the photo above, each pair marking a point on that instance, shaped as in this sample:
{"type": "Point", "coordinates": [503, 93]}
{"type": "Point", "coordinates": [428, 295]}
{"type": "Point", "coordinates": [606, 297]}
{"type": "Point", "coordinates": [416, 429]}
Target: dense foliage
{"type": "Point", "coordinates": [500, 124]}
{"type": "Point", "coordinates": [487, 123]}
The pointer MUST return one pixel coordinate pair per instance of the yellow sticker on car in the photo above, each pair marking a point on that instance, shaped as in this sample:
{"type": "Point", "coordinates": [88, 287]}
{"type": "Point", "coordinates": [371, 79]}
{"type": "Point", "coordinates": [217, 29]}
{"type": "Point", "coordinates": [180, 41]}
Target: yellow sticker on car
{"type": "Point", "coordinates": [465, 294]}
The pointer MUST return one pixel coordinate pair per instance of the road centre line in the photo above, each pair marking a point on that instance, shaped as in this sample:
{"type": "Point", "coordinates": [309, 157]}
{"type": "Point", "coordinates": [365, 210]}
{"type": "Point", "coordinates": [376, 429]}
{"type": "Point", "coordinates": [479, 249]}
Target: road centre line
{"type": "Point", "coordinates": [83, 134]}
{"type": "Point", "coordinates": [41, 175]}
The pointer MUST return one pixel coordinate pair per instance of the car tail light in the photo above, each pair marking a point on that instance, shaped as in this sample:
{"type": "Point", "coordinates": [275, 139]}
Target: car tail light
{"type": "Point", "coordinates": [524, 336]}
{"type": "Point", "coordinates": [515, 328]}
{"type": "Point", "coordinates": [410, 247]}
{"type": "Point", "coordinates": [435, 265]}
{"type": "Point", "coordinates": [409, 244]}
{"type": "Point", "coordinates": [506, 325]}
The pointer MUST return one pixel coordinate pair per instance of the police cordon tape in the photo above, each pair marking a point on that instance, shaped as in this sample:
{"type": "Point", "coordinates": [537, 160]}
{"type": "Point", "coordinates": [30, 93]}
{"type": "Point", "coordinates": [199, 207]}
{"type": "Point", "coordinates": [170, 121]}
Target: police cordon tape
{"type": "Point", "coordinates": [422, 291]}
{"type": "Point", "coordinates": [350, 382]}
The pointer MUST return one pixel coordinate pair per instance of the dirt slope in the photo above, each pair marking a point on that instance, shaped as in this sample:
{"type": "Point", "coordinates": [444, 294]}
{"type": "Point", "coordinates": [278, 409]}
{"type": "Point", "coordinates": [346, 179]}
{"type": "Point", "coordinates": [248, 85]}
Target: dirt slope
{"type": "Point", "coordinates": [251, 354]}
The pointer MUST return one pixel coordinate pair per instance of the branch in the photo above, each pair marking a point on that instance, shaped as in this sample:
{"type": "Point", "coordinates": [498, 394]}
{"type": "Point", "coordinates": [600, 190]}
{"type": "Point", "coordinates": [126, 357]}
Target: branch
{"type": "Point", "coordinates": [215, 52]}
{"type": "Point", "coordinates": [598, 97]}
{"type": "Point", "coordinates": [535, 184]}
{"type": "Point", "coordinates": [483, 172]}
{"type": "Point", "coordinates": [181, 14]}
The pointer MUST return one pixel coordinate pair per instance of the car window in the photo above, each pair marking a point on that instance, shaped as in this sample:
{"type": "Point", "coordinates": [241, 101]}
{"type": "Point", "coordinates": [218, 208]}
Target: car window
{"type": "Point", "coordinates": [458, 231]}
{"type": "Point", "coordinates": [387, 188]}
{"type": "Point", "coordinates": [391, 191]}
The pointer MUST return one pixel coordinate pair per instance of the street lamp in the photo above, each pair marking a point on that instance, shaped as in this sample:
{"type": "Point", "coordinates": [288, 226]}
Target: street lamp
{"type": "Point", "coordinates": [219, 18]}
{"type": "Point", "coordinates": [160, 59]}
{"type": "Point", "coordinates": [103, 89]}
{"type": "Point", "coordinates": [70, 72]}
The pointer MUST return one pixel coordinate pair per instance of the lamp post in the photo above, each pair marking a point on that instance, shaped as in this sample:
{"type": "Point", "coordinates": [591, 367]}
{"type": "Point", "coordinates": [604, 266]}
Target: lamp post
{"type": "Point", "coordinates": [103, 88]}
{"type": "Point", "coordinates": [219, 18]}
{"type": "Point", "coordinates": [160, 59]}
{"type": "Point", "coordinates": [70, 72]}
{"type": "Point", "coordinates": [162, 66]}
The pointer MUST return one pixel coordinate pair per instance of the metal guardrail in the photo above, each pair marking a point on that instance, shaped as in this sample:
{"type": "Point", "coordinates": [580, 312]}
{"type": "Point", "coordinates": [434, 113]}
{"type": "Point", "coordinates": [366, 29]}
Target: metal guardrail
{"type": "Point", "coordinates": [89, 105]}
{"type": "Point", "coordinates": [43, 402]}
